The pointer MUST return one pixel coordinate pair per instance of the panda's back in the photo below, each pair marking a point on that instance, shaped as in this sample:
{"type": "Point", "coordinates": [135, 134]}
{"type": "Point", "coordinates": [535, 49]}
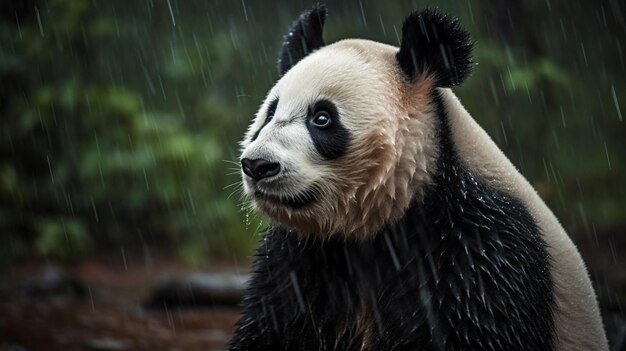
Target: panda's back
{"type": "Point", "coordinates": [578, 325]}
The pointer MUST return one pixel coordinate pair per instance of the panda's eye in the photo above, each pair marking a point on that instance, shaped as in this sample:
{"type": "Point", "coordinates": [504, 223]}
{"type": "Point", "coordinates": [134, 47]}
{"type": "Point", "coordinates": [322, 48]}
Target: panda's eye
{"type": "Point", "coordinates": [321, 119]}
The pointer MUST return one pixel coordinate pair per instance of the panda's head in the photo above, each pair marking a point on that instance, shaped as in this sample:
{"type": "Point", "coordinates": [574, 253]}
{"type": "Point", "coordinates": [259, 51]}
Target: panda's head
{"type": "Point", "coordinates": [346, 139]}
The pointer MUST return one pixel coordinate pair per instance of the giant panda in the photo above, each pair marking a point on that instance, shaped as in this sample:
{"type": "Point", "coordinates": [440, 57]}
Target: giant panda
{"type": "Point", "coordinates": [398, 224]}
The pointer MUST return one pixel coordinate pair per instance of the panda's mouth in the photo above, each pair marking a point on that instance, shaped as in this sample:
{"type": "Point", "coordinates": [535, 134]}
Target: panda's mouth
{"type": "Point", "coordinates": [293, 202]}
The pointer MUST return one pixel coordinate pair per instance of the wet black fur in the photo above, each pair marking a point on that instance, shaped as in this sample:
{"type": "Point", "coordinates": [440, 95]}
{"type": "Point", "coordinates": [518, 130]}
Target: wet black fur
{"type": "Point", "coordinates": [304, 37]}
{"type": "Point", "coordinates": [432, 42]}
{"type": "Point", "coordinates": [464, 269]}
{"type": "Point", "coordinates": [435, 43]}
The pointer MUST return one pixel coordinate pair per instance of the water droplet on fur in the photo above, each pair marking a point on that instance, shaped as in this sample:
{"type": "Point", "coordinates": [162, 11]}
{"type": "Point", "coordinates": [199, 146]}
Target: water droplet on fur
{"type": "Point", "coordinates": [247, 220]}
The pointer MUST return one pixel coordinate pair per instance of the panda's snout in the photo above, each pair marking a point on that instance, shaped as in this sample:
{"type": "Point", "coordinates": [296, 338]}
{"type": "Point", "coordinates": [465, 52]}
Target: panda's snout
{"type": "Point", "coordinates": [259, 168]}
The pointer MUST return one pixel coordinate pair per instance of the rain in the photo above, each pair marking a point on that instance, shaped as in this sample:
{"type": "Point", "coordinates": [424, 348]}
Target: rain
{"type": "Point", "coordinates": [123, 217]}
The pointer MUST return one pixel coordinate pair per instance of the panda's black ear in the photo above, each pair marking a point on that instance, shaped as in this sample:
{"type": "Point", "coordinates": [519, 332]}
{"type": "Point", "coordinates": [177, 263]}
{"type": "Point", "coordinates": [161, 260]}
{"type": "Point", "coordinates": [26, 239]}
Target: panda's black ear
{"type": "Point", "coordinates": [304, 36]}
{"type": "Point", "coordinates": [436, 44]}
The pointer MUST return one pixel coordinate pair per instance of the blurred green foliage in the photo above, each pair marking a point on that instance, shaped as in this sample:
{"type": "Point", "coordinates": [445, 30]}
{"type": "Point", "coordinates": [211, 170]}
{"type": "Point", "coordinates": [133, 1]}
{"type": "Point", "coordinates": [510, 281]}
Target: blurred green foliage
{"type": "Point", "coordinates": [118, 116]}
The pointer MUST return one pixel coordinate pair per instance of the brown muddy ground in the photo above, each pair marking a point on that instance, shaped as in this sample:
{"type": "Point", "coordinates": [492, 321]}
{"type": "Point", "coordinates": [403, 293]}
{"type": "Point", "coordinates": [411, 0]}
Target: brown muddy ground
{"type": "Point", "coordinates": [109, 316]}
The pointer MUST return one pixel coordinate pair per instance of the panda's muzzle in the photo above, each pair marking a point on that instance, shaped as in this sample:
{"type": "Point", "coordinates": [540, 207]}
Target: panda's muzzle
{"type": "Point", "coordinates": [272, 191]}
{"type": "Point", "coordinates": [293, 202]}
{"type": "Point", "coordinates": [259, 168]}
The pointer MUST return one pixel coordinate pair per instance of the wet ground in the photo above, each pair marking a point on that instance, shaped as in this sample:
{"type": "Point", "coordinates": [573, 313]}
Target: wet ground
{"type": "Point", "coordinates": [110, 315]}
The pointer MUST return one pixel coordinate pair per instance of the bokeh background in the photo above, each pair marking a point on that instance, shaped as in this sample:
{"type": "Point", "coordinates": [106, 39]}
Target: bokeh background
{"type": "Point", "coordinates": [120, 122]}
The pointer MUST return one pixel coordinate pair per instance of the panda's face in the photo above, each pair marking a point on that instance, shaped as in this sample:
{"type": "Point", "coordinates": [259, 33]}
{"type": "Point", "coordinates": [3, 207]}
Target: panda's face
{"type": "Point", "coordinates": [329, 138]}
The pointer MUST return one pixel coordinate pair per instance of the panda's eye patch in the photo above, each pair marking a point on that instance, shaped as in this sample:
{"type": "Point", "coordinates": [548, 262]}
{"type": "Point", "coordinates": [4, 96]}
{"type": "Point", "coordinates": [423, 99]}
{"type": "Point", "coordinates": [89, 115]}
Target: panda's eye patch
{"type": "Point", "coordinates": [329, 135]}
{"type": "Point", "coordinates": [270, 114]}
{"type": "Point", "coordinates": [322, 119]}
{"type": "Point", "coordinates": [271, 111]}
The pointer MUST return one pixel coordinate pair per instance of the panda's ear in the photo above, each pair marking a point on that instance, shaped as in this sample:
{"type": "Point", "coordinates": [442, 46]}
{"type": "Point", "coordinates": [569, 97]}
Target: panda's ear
{"type": "Point", "coordinates": [435, 44]}
{"type": "Point", "coordinates": [304, 36]}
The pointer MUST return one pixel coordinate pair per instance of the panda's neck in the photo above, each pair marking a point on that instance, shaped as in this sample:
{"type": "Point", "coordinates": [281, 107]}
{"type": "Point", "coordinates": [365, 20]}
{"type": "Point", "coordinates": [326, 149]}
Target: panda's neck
{"type": "Point", "coordinates": [448, 162]}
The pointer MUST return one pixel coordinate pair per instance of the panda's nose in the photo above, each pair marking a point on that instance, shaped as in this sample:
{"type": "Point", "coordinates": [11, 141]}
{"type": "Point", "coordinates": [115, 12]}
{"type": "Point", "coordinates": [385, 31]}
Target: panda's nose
{"type": "Point", "coordinates": [259, 168]}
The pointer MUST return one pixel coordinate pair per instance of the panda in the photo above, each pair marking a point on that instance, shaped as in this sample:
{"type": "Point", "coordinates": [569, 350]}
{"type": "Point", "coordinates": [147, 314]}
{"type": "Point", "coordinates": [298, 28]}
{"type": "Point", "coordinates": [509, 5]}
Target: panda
{"type": "Point", "coordinates": [397, 222]}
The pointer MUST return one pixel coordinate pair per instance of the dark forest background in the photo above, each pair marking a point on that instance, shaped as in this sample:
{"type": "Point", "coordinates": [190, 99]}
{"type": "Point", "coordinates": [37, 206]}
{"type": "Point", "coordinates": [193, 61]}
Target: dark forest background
{"type": "Point", "coordinates": [118, 118]}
